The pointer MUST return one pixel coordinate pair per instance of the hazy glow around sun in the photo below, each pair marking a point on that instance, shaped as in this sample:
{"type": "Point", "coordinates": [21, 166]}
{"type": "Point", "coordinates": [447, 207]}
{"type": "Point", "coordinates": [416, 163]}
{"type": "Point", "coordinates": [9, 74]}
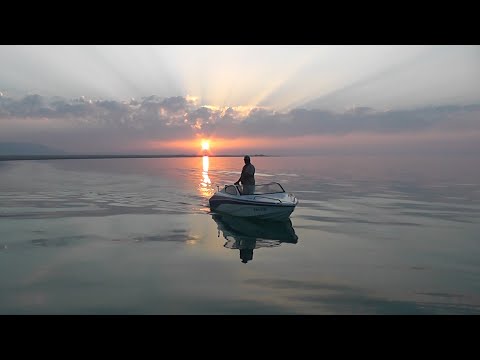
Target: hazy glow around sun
{"type": "Point", "coordinates": [205, 145]}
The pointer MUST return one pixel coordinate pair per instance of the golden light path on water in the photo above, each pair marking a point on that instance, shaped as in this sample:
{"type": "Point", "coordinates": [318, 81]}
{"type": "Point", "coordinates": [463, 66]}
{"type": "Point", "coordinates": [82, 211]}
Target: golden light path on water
{"type": "Point", "coordinates": [205, 185]}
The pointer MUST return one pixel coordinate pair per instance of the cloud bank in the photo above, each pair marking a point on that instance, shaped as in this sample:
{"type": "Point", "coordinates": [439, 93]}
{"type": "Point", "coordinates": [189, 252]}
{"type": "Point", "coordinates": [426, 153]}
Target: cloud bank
{"type": "Point", "coordinates": [84, 124]}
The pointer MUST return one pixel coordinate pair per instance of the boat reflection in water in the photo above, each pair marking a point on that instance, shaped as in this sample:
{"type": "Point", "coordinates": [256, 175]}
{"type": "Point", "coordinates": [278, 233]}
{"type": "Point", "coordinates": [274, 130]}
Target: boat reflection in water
{"type": "Point", "coordinates": [247, 234]}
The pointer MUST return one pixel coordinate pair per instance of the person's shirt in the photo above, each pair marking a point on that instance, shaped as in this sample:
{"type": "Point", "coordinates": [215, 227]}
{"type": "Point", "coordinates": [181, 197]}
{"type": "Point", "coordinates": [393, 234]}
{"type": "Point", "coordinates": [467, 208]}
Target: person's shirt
{"type": "Point", "coordinates": [248, 174]}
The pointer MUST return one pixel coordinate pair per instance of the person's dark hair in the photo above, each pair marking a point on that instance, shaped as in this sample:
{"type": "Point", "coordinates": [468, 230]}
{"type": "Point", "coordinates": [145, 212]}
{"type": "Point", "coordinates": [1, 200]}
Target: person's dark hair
{"type": "Point", "coordinates": [246, 158]}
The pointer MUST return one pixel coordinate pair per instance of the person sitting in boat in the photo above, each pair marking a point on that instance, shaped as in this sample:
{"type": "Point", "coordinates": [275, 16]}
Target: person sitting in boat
{"type": "Point", "coordinates": [247, 178]}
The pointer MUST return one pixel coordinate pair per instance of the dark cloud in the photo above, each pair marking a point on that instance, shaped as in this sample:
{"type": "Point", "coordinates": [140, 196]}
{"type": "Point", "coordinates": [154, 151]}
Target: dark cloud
{"type": "Point", "coordinates": [175, 104]}
{"type": "Point", "coordinates": [156, 118]}
{"type": "Point", "coordinates": [30, 105]}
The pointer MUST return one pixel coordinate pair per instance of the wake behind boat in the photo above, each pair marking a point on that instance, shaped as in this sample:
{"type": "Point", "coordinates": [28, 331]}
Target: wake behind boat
{"type": "Point", "coordinates": [268, 201]}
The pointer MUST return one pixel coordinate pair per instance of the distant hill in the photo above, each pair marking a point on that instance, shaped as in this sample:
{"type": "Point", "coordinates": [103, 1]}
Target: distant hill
{"type": "Point", "coordinates": [16, 148]}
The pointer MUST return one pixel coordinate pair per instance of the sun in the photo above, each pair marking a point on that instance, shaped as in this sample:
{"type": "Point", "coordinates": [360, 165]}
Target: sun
{"type": "Point", "coordinates": [205, 145]}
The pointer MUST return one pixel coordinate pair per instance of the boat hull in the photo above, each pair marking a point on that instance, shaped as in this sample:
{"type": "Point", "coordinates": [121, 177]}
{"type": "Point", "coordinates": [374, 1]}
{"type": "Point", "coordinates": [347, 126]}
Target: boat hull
{"type": "Point", "coordinates": [249, 209]}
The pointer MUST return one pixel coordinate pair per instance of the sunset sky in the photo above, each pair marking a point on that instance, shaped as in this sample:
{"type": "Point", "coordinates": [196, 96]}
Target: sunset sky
{"type": "Point", "coordinates": [242, 99]}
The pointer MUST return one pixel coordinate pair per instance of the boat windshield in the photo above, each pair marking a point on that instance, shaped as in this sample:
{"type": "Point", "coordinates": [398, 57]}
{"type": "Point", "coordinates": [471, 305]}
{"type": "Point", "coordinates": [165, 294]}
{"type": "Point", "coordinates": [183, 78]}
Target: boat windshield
{"type": "Point", "coordinates": [271, 188]}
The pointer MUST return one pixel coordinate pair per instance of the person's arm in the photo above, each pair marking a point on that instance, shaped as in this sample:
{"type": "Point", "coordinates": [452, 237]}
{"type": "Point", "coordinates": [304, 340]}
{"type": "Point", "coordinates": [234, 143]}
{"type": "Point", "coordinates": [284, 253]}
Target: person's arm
{"type": "Point", "coordinates": [241, 176]}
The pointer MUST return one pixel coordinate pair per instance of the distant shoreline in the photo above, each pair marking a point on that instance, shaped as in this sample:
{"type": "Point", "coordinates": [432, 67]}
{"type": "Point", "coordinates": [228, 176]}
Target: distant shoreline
{"type": "Point", "coordinates": [78, 157]}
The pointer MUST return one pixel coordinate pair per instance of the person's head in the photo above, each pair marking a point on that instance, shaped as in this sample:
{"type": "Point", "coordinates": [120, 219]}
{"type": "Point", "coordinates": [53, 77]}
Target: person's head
{"type": "Point", "coordinates": [246, 158]}
{"type": "Point", "coordinates": [246, 255]}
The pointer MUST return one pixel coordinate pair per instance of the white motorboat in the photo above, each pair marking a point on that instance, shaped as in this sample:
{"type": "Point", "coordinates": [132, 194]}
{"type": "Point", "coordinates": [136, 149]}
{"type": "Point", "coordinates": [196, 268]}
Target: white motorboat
{"type": "Point", "coordinates": [266, 201]}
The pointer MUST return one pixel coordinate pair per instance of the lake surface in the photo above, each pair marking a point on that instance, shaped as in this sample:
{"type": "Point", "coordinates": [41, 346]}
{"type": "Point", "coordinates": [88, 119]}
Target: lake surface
{"type": "Point", "coordinates": [371, 235]}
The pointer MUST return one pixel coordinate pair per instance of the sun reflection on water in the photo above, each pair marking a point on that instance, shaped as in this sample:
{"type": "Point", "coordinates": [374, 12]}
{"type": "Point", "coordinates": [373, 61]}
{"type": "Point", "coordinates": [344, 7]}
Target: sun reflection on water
{"type": "Point", "coordinates": [206, 184]}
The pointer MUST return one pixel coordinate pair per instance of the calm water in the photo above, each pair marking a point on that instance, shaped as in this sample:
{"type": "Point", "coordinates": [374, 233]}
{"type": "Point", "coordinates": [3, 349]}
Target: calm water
{"type": "Point", "coordinates": [371, 235]}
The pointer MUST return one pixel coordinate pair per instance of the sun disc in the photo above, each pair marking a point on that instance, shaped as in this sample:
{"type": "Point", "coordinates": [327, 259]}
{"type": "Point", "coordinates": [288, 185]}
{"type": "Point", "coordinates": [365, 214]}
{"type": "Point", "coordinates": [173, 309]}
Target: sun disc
{"type": "Point", "coordinates": [205, 145]}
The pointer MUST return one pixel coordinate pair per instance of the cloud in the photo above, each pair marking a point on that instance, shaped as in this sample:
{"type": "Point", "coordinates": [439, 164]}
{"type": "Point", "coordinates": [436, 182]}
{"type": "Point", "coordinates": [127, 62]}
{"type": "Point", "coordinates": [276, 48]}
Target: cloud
{"type": "Point", "coordinates": [155, 118]}
{"type": "Point", "coordinates": [302, 122]}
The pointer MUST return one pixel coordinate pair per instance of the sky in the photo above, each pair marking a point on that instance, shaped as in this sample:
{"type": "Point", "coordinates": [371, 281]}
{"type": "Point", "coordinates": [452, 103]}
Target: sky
{"type": "Point", "coordinates": [242, 99]}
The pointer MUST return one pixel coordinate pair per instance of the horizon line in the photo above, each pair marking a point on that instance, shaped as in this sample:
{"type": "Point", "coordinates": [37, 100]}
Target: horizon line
{"type": "Point", "coordinates": [116, 156]}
